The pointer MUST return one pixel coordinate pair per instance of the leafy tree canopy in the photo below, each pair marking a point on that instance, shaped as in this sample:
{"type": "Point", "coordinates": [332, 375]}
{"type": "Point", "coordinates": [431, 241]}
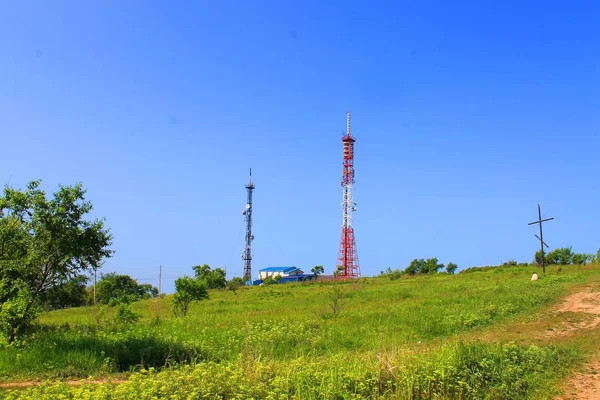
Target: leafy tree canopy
{"type": "Point", "coordinates": [318, 270]}
{"type": "Point", "coordinates": [214, 279]}
{"type": "Point", "coordinates": [422, 266]}
{"type": "Point", "coordinates": [72, 293]}
{"type": "Point", "coordinates": [113, 288]}
{"type": "Point", "coordinates": [43, 242]}
{"type": "Point", "coordinates": [562, 256]}
{"type": "Point", "coordinates": [451, 268]}
{"type": "Point", "coordinates": [187, 289]}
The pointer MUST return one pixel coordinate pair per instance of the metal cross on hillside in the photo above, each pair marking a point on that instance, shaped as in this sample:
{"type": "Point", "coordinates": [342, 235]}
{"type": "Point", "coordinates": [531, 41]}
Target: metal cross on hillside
{"type": "Point", "coordinates": [541, 237]}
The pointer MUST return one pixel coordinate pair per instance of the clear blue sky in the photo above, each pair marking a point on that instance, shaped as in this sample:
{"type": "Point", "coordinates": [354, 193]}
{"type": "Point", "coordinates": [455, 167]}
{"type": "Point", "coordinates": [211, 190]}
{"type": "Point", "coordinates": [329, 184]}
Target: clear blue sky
{"type": "Point", "coordinates": [466, 114]}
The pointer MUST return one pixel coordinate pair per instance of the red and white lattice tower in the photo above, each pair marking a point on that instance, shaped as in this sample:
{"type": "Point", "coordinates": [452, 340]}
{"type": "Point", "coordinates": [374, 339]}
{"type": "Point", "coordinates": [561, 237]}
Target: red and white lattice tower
{"type": "Point", "coordinates": [347, 264]}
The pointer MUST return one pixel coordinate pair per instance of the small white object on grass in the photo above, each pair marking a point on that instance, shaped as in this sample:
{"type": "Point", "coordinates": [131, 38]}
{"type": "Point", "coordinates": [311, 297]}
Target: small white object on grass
{"type": "Point", "coordinates": [534, 277]}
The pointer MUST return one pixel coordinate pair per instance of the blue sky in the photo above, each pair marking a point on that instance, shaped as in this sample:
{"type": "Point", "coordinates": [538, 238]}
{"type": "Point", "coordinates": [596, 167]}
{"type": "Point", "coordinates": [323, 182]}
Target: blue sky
{"type": "Point", "coordinates": [466, 114]}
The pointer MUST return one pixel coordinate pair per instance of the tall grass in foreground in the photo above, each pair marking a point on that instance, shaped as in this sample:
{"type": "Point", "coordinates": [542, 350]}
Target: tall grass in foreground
{"type": "Point", "coordinates": [380, 340]}
{"type": "Point", "coordinates": [451, 371]}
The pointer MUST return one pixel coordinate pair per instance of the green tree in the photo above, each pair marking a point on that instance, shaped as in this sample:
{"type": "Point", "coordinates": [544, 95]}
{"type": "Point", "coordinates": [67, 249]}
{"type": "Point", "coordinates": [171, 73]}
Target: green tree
{"type": "Point", "coordinates": [269, 280]}
{"type": "Point", "coordinates": [538, 258]}
{"type": "Point", "coordinates": [235, 283]}
{"type": "Point", "coordinates": [43, 242]}
{"type": "Point", "coordinates": [71, 293]}
{"type": "Point", "coordinates": [561, 256]}
{"type": "Point", "coordinates": [187, 289]}
{"type": "Point", "coordinates": [422, 266]}
{"type": "Point", "coordinates": [214, 279]}
{"type": "Point", "coordinates": [432, 266]}
{"type": "Point", "coordinates": [451, 268]}
{"type": "Point", "coordinates": [416, 266]}
{"type": "Point", "coordinates": [148, 291]}
{"type": "Point", "coordinates": [113, 288]}
{"type": "Point", "coordinates": [582, 258]}
{"type": "Point", "coordinates": [318, 270]}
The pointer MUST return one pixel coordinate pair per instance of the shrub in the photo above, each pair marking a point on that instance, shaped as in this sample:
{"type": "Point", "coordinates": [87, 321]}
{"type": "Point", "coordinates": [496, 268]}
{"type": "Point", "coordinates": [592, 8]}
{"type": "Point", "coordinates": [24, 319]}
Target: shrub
{"type": "Point", "coordinates": [187, 289]}
{"type": "Point", "coordinates": [451, 268]}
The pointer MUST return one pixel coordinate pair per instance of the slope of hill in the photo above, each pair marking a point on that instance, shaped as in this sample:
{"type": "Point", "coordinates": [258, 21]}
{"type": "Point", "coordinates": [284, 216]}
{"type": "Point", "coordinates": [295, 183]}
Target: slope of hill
{"type": "Point", "coordinates": [485, 334]}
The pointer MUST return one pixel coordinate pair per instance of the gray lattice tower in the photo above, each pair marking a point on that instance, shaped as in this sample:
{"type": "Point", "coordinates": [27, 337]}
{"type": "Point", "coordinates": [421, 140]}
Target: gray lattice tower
{"type": "Point", "coordinates": [247, 256]}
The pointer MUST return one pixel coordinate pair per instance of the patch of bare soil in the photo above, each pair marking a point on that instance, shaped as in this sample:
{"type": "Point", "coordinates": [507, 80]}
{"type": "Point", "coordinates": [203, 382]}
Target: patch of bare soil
{"type": "Point", "coordinates": [583, 385]}
{"type": "Point", "coordinates": [586, 302]}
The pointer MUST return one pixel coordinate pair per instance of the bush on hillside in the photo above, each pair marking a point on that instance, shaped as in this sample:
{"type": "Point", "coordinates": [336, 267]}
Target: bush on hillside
{"type": "Point", "coordinates": [392, 274]}
{"type": "Point", "coordinates": [563, 256]}
{"type": "Point", "coordinates": [212, 278]}
{"type": "Point", "coordinates": [187, 290]}
{"type": "Point", "coordinates": [422, 266]}
{"type": "Point", "coordinates": [451, 268]}
{"type": "Point", "coordinates": [235, 283]}
{"type": "Point", "coordinates": [113, 289]}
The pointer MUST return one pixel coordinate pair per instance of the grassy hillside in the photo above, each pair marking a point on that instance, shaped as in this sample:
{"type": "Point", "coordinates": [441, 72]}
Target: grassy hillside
{"type": "Point", "coordinates": [408, 338]}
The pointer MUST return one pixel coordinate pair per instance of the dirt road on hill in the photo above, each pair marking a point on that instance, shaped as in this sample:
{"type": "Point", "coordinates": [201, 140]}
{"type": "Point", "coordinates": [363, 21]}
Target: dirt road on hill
{"type": "Point", "coordinates": [585, 384]}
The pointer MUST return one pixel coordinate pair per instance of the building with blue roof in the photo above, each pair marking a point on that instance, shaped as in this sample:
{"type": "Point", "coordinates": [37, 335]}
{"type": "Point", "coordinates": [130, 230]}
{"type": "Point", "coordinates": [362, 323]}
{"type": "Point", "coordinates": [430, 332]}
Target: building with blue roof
{"type": "Point", "coordinates": [272, 272]}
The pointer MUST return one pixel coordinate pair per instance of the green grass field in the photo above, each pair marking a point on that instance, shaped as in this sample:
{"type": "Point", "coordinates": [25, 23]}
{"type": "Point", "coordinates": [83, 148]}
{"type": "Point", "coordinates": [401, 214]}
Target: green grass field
{"type": "Point", "coordinates": [435, 336]}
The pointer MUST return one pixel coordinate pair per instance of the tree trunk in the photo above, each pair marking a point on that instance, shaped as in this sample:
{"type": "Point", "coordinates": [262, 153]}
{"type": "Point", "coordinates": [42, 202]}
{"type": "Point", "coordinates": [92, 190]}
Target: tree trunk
{"type": "Point", "coordinates": [11, 334]}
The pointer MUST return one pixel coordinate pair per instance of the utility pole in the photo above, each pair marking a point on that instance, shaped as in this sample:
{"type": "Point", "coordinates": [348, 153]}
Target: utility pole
{"type": "Point", "coordinates": [160, 281]}
{"type": "Point", "coordinates": [541, 237]}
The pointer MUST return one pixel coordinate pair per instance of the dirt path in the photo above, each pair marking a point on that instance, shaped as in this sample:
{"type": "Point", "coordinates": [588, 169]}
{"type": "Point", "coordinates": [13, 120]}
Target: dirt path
{"type": "Point", "coordinates": [585, 384]}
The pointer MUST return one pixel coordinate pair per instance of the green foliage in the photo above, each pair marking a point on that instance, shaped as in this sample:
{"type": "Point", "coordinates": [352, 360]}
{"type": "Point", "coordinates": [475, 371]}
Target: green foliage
{"type": "Point", "coordinates": [214, 279]}
{"type": "Point", "coordinates": [285, 341]}
{"type": "Point", "coordinates": [538, 259]}
{"type": "Point", "coordinates": [582, 258]}
{"type": "Point", "coordinates": [336, 299]}
{"type": "Point", "coordinates": [563, 256]}
{"type": "Point", "coordinates": [318, 270]}
{"type": "Point", "coordinates": [269, 280]}
{"type": "Point", "coordinates": [113, 288]}
{"type": "Point", "coordinates": [187, 289]}
{"type": "Point", "coordinates": [43, 243]}
{"type": "Point", "coordinates": [452, 371]}
{"type": "Point", "coordinates": [17, 313]}
{"type": "Point", "coordinates": [422, 266]}
{"type": "Point", "coordinates": [71, 293]}
{"type": "Point", "coordinates": [392, 274]}
{"type": "Point", "coordinates": [125, 315]}
{"type": "Point", "coordinates": [451, 268]}
{"type": "Point", "coordinates": [235, 283]}
{"type": "Point", "coordinates": [277, 279]}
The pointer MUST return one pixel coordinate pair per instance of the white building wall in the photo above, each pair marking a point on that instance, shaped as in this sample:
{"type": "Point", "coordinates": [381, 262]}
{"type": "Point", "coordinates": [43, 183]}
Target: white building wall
{"type": "Point", "coordinates": [262, 275]}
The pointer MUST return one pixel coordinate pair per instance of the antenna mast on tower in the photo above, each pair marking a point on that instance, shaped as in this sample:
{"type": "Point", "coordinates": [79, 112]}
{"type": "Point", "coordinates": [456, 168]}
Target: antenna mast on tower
{"type": "Point", "coordinates": [247, 256]}
{"type": "Point", "coordinates": [347, 264]}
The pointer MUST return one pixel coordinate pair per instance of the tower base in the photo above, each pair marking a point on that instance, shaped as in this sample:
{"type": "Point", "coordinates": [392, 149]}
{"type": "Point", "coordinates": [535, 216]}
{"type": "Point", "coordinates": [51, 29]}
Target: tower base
{"type": "Point", "coordinates": [347, 264]}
